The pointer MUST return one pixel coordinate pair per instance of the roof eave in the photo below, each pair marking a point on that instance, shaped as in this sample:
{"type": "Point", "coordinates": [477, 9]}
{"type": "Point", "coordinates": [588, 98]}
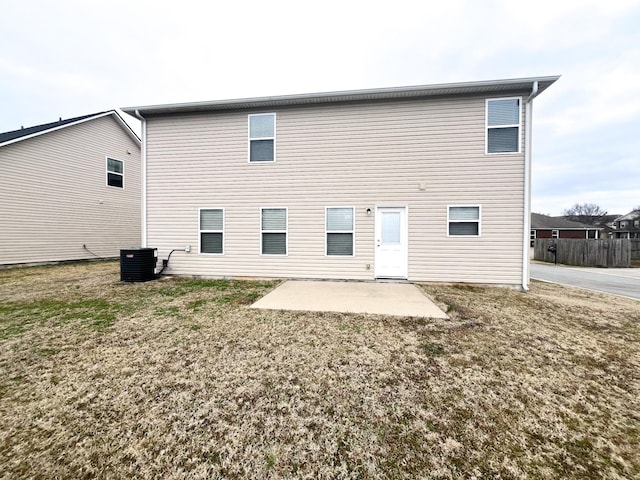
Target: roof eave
{"type": "Point", "coordinates": [487, 86]}
{"type": "Point", "coordinates": [115, 114]}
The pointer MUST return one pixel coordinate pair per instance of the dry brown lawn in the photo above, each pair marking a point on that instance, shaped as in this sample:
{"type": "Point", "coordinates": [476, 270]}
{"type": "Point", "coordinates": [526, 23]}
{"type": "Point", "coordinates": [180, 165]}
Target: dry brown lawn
{"type": "Point", "coordinates": [180, 379]}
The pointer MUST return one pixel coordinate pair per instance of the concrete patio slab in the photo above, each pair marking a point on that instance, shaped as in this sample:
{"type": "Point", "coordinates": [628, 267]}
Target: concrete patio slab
{"type": "Point", "coordinates": [397, 299]}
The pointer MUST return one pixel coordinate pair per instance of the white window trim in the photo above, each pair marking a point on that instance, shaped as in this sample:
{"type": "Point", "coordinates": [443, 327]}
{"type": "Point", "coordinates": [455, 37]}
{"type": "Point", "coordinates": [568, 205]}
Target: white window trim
{"type": "Point", "coordinates": [200, 231]}
{"type": "Point", "coordinates": [449, 207]}
{"type": "Point", "coordinates": [250, 138]}
{"type": "Point", "coordinates": [487, 127]}
{"type": "Point", "coordinates": [285, 231]}
{"type": "Point", "coordinates": [352, 231]}
{"type": "Point", "coordinates": [106, 179]}
{"type": "Point", "coordinates": [555, 233]}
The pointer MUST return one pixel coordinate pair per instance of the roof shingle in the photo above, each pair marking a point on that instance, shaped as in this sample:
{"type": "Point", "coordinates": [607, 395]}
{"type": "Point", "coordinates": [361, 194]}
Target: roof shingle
{"type": "Point", "coordinates": [539, 221]}
{"type": "Point", "coordinates": [23, 132]}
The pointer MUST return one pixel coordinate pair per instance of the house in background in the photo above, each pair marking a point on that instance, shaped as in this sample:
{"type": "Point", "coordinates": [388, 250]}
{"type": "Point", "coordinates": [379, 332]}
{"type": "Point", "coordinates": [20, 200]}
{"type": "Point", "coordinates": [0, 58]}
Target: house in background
{"type": "Point", "coordinates": [70, 190]}
{"type": "Point", "coordinates": [544, 226]}
{"type": "Point", "coordinates": [425, 183]}
{"type": "Point", "coordinates": [628, 226]}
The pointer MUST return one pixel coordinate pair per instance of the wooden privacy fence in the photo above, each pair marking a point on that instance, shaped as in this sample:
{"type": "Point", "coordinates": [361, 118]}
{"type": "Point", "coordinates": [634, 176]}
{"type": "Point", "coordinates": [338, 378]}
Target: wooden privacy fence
{"type": "Point", "coordinates": [614, 252]}
{"type": "Point", "coordinates": [635, 248]}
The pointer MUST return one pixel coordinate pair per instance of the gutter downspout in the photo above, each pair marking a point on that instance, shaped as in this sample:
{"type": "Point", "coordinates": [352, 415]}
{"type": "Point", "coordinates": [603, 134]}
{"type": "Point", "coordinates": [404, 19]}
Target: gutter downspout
{"type": "Point", "coordinates": [144, 177]}
{"type": "Point", "coordinates": [528, 105]}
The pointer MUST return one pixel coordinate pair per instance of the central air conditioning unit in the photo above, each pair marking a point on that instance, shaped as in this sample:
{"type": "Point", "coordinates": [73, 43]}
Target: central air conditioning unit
{"type": "Point", "coordinates": [138, 264]}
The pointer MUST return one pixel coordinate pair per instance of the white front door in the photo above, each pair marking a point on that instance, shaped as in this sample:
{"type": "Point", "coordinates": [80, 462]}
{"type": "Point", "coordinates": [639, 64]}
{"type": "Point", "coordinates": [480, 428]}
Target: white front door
{"type": "Point", "coordinates": [391, 242]}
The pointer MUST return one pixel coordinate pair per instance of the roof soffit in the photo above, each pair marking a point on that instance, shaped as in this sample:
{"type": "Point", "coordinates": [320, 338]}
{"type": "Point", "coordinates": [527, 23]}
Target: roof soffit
{"type": "Point", "coordinates": [498, 87]}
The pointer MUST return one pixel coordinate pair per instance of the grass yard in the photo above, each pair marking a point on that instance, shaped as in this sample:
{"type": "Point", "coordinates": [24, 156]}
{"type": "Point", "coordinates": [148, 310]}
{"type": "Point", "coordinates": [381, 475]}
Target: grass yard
{"type": "Point", "coordinates": [180, 379]}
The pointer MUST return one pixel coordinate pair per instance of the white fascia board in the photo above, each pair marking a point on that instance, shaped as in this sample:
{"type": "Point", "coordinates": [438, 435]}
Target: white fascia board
{"type": "Point", "coordinates": [348, 96]}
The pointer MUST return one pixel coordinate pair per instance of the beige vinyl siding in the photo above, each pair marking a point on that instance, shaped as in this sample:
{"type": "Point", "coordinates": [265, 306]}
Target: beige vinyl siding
{"type": "Point", "coordinates": [55, 196]}
{"type": "Point", "coordinates": [364, 155]}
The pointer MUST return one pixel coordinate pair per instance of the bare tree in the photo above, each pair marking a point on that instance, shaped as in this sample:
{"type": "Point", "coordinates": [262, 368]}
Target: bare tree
{"type": "Point", "coordinates": [588, 213]}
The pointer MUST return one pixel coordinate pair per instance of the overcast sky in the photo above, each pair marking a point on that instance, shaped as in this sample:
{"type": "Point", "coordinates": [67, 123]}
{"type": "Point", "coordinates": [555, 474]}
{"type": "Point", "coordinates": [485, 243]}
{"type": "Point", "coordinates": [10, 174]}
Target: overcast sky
{"type": "Point", "coordinates": [70, 58]}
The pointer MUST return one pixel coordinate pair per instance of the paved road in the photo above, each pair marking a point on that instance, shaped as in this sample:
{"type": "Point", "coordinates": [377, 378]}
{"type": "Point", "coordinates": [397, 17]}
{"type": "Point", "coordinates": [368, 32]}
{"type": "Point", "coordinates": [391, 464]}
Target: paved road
{"type": "Point", "coordinates": [621, 281]}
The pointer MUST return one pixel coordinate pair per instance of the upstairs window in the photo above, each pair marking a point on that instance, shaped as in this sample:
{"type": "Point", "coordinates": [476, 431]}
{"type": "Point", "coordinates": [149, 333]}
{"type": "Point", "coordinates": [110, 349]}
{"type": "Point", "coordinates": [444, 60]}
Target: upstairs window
{"type": "Point", "coordinates": [262, 137]}
{"type": "Point", "coordinates": [273, 229]}
{"type": "Point", "coordinates": [464, 221]}
{"type": "Point", "coordinates": [115, 173]}
{"type": "Point", "coordinates": [339, 228]}
{"type": "Point", "coordinates": [503, 125]}
{"type": "Point", "coordinates": [212, 230]}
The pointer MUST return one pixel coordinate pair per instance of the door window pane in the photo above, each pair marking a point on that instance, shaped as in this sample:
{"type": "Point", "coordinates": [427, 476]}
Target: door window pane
{"type": "Point", "coordinates": [390, 227]}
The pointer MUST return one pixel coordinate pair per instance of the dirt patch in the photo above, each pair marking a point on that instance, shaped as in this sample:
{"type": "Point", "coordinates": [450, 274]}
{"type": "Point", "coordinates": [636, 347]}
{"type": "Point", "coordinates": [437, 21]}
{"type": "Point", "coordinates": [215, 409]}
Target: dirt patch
{"type": "Point", "coordinates": [180, 379]}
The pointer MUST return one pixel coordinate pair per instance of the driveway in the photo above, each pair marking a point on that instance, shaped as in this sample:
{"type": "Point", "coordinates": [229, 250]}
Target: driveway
{"type": "Point", "coordinates": [619, 281]}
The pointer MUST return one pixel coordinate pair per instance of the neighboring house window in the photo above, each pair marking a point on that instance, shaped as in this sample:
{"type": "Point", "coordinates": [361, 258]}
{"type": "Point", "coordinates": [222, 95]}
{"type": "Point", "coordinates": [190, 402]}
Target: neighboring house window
{"type": "Point", "coordinates": [212, 230]}
{"type": "Point", "coordinates": [503, 125]}
{"type": "Point", "coordinates": [636, 223]}
{"type": "Point", "coordinates": [464, 221]}
{"type": "Point", "coordinates": [623, 224]}
{"type": "Point", "coordinates": [339, 231]}
{"type": "Point", "coordinates": [115, 173]}
{"type": "Point", "coordinates": [273, 225]}
{"type": "Point", "coordinates": [262, 137]}
{"type": "Point", "coordinates": [554, 234]}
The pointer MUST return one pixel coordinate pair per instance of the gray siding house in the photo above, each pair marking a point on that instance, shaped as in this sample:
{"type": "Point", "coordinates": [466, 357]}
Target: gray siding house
{"type": "Point", "coordinates": [628, 226]}
{"type": "Point", "coordinates": [425, 183]}
{"type": "Point", "coordinates": [69, 190]}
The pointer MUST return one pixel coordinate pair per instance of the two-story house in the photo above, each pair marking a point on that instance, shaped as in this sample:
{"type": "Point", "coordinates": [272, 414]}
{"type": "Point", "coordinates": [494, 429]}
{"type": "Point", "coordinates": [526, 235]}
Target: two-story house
{"type": "Point", "coordinates": [628, 226]}
{"type": "Point", "coordinates": [425, 183]}
{"type": "Point", "coordinates": [70, 190]}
